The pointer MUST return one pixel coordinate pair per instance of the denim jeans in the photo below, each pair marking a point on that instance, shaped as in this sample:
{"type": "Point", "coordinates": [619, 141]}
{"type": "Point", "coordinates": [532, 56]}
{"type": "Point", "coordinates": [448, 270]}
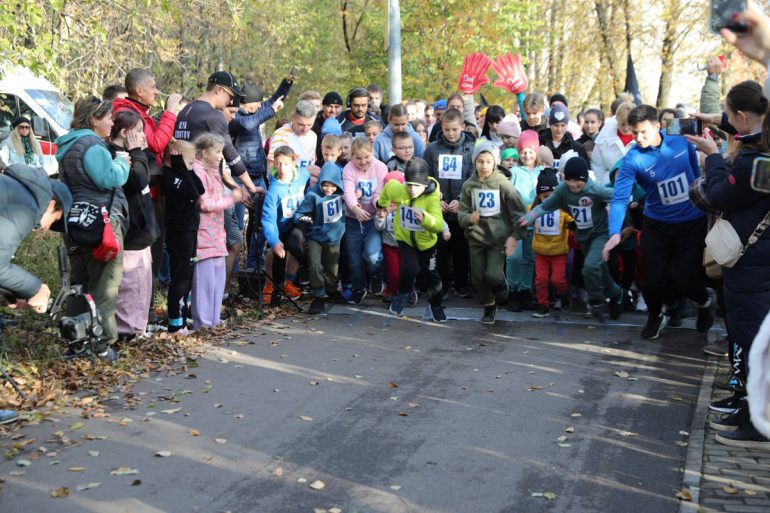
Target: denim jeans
{"type": "Point", "coordinates": [364, 248]}
{"type": "Point", "coordinates": [520, 267]}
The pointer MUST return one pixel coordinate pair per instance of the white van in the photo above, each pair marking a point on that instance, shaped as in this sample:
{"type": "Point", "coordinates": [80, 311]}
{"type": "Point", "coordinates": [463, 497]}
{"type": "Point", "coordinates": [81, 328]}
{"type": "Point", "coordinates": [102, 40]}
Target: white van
{"type": "Point", "coordinates": [22, 93]}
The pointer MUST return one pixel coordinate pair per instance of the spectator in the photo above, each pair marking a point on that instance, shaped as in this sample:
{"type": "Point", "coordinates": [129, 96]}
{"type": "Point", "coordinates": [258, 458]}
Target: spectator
{"type": "Point", "coordinates": [22, 146]}
{"type": "Point", "coordinates": [113, 92]}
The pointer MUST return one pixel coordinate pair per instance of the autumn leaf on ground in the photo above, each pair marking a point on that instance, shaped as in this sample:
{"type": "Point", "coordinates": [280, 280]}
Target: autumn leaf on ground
{"type": "Point", "coordinates": [569, 430]}
{"type": "Point", "coordinates": [395, 488]}
{"type": "Point", "coordinates": [94, 454]}
{"type": "Point", "coordinates": [403, 414]}
{"type": "Point", "coordinates": [627, 433]}
{"type": "Point", "coordinates": [545, 495]}
{"type": "Point", "coordinates": [173, 410]}
{"type": "Point", "coordinates": [278, 472]}
{"type": "Point", "coordinates": [392, 385]}
{"type": "Point", "coordinates": [576, 414]}
{"type": "Point", "coordinates": [221, 440]}
{"type": "Point", "coordinates": [23, 463]}
{"type": "Point", "coordinates": [730, 489]}
{"type": "Point", "coordinates": [195, 432]}
{"type": "Point", "coordinates": [124, 471]}
{"type": "Point", "coordinates": [87, 486]}
{"type": "Point", "coordinates": [561, 439]}
{"type": "Point", "coordinates": [534, 388]}
{"type": "Point", "coordinates": [684, 494]}
{"type": "Point", "coordinates": [60, 492]}
{"type": "Point", "coordinates": [749, 492]}
{"type": "Point", "coordinates": [163, 454]}
{"type": "Point", "coordinates": [681, 444]}
{"type": "Point", "coordinates": [76, 469]}
{"type": "Point", "coordinates": [622, 374]}
{"type": "Point", "coordinates": [317, 485]}
{"type": "Point", "coordinates": [76, 426]}
{"type": "Point", "coordinates": [136, 482]}
{"type": "Point", "coordinates": [305, 418]}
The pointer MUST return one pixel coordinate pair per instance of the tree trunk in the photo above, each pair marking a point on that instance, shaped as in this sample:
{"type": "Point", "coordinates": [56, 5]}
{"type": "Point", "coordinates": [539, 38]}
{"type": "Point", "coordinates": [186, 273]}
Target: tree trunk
{"type": "Point", "coordinates": [666, 65]}
{"type": "Point", "coordinates": [604, 30]}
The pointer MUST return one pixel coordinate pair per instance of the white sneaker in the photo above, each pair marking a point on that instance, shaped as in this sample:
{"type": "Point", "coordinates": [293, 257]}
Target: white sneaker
{"type": "Point", "coordinates": [641, 306]}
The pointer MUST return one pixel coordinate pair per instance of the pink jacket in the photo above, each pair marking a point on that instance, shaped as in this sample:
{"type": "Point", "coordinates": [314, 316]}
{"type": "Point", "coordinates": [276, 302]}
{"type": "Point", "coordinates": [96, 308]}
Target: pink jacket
{"type": "Point", "coordinates": [369, 182]}
{"type": "Point", "coordinates": [212, 203]}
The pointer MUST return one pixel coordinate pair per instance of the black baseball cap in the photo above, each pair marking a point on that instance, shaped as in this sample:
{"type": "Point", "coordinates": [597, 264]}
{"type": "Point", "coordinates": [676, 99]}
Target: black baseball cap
{"type": "Point", "coordinates": [225, 79]}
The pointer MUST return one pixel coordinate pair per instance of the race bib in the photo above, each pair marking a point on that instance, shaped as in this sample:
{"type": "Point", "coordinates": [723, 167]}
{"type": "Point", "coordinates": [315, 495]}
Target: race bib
{"type": "Point", "coordinates": [389, 221]}
{"type": "Point", "coordinates": [548, 224]}
{"type": "Point", "coordinates": [304, 163]}
{"type": "Point", "coordinates": [487, 202]}
{"type": "Point", "coordinates": [673, 190]}
{"type": "Point", "coordinates": [582, 216]}
{"type": "Point", "coordinates": [332, 210]}
{"type": "Point", "coordinates": [367, 190]}
{"type": "Point", "coordinates": [450, 167]}
{"type": "Point", "coordinates": [409, 220]}
{"type": "Point", "coordinates": [289, 204]}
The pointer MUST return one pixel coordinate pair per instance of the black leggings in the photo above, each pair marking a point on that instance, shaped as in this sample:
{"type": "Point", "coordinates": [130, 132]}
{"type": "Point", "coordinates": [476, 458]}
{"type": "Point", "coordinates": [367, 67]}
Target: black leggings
{"type": "Point", "coordinates": [423, 264]}
{"type": "Point", "coordinates": [628, 257]}
{"type": "Point", "coordinates": [294, 243]}
{"type": "Point", "coordinates": [181, 245]}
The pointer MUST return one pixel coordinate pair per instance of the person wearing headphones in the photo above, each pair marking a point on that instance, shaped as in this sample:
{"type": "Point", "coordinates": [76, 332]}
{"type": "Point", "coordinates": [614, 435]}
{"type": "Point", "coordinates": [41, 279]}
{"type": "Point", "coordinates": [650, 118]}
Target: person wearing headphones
{"type": "Point", "coordinates": [357, 114]}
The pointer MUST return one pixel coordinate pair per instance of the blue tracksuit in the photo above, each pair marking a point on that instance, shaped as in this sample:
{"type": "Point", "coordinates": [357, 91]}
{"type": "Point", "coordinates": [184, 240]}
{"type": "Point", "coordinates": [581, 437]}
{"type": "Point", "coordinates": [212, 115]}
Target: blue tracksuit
{"type": "Point", "coordinates": [281, 200]}
{"type": "Point", "coordinates": [665, 173]}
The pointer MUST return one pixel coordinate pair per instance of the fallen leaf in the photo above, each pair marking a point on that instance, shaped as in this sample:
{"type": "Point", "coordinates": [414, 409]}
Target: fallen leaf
{"type": "Point", "coordinates": [684, 433]}
{"type": "Point", "coordinates": [569, 430]}
{"type": "Point", "coordinates": [317, 485]}
{"type": "Point", "coordinates": [173, 410]}
{"type": "Point", "coordinates": [301, 480]}
{"type": "Point", "coordinates": [195, 432]}
{"type": "Point", "coordinates": [314, 383]}
{"type": "Point", "coordinates": [163, 454]}
{"type": "Point", "coordinates": [335, 510]}
{"type": "Point", "coordinates": [627, 433]}
{"type": "Point", "coordinates": [136, 482]}
{"type": "Point", "coordinates": [305, 418]}
{"type": "Point", "coordinates": [221, 440]}
{"type": "Point", "coordinates": [403, 414]}
{"type": "Point", "coordinates": [622, 374]}
{"type": "Point", "coordinates": [23, 463]}
{"type": "Point", "coordinates": [60, 492]}
{"type": "Point", "coordinates": [576, 414]}
{"type": "Point", "coordinates": [76, 469]}
{"type": "Point", "coordinates": [730, 489]}
{"type": "Point", "coordinates": [534, 387]}
{"type": "Point", "coordinates": [76, 426]}
{"type": "Point", "coordinates": [392, 385]}
{"type": "Point", "coordinates": [395, 488]}
{"type": "Point", "coordinates": [413, 405]}
{"type": "Point", "coordinates": [17, 473]}
{"type": "Point", "coordinates": [94, 454]}
{"type": "Point", "coordinates": [749, 492]}
{"type": "Point", "coordinates": [545, 495]}
{"type": "Point", "coordinates": [88, 486]}
{"type": "Point", "coordinates": [561, 439]}
{"type": "Point", "coordinates": [564, 445]}
{"type": "Point", "coordinates": [124, 471]}
{"type": "Point", "coordinates": [684, 495]}
{"type": "Point", "coordinates": [681, 444]}
{"type": "Point", "coordinates": [278, 472]}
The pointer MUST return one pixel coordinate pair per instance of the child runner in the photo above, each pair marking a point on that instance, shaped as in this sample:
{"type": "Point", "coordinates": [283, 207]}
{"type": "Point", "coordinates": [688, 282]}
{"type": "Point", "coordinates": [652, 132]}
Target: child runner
{"type": "Point", "coordinates": [364, 174]}
{"type": "Point", "coordinates": [520, 268]}
{"type": "Point", "coordinates": [208, 284]}
{"type": "Point", "coordinates": [286, 192]}
{"type": "Point", "coordinates": [550, 245]}
{"type": "Point", "coordinates": [534, 113]}
{"type": "Point", "coordinates": [451, 163]}
{"type": "Point", "coordinates": [587, 203]}
{"type": "Point", "coordinates": [181, 187]}
{"type": "Point", "coordinates": [418, 220]}
{"type": "Point", "coordinates": [402, 149]}
{"type": "Point", "coordinates": [321, 214]}
{"type": "Point", "coordinates": [390, 253]}
{"type": "Point", "coordinates": [346, 143]}
{"type": "Point", "coordinates": [489, 209]}
{"type": "Point", "coordinates": [508, 159]}
{"type": "Point", "coordinates": [372, 129]}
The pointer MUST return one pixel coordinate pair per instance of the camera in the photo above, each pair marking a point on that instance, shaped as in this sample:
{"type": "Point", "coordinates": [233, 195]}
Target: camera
{"type": "Point", "coordinates": [760, 174]}
{"type": "Point", "coordinates": [81, 327]}
{"type": "Point", "coordinates": [685, 126]}
{"type": "Point", "coordinates": [722, 15]}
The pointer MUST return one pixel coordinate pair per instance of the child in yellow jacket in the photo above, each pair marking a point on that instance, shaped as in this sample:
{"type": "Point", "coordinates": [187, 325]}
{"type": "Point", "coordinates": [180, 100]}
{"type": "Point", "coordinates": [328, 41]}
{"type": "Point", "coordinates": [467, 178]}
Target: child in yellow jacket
{"type": "Point", "coordinates": [550, 245]}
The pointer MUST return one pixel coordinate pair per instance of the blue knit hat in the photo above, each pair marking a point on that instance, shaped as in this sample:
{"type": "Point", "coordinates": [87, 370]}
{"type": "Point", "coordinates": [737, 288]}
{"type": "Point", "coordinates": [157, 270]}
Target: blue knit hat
{"type": "Point", "coordinates": [440, 104]}
{"type": "Point", "coordinates": [331, 126]}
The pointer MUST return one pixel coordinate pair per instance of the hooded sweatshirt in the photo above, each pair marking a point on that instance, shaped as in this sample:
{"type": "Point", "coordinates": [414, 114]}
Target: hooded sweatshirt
{"type": "Point", "coordinates": [368, 181]}
{"type": "Point", "coordinates": [182, 188]}
{"type": "Point", "coordinates": [281, 200]}
{"type": "Point", "coordinates": [328, 219]}
{"type": "Point", "coordinates": [418, 234]}
{"type": "Point", "coordinates": [588, 208]}
{"type": "Point", "coordinates": [384, 143]}
{"type": "Point", "coordinates": [451, 164]}
{"type": "Point", "coordinates": [500, 206]}
{"type": "Point", "coordinates": [24, 196]}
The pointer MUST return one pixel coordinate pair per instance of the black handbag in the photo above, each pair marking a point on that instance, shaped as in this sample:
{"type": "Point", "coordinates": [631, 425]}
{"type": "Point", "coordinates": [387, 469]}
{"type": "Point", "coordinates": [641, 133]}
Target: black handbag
{"type": "Point", "coordinates": [85, 226]}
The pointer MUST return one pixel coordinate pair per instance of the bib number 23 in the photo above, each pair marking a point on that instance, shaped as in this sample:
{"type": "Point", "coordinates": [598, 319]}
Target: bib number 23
{"type": "Point", "coordinates": [488, 202]}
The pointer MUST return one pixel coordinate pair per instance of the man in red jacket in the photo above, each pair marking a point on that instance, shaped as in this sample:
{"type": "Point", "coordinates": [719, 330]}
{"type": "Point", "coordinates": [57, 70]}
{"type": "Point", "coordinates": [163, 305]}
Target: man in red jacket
{"type": "Point", "coordinates": [142, 92]}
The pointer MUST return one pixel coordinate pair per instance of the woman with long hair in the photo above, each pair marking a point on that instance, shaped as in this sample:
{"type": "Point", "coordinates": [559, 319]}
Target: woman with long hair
{"type": "Point", "coordinates": [22, 146]}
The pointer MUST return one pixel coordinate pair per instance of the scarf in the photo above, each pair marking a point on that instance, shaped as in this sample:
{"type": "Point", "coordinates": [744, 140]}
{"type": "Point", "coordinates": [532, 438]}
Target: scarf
{"type": "Point", "coordinates": [29, 153]}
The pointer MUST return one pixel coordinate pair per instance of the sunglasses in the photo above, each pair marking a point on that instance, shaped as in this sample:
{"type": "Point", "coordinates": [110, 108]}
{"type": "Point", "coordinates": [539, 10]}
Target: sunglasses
{"type": "Point", "coordinates": [24, 127]}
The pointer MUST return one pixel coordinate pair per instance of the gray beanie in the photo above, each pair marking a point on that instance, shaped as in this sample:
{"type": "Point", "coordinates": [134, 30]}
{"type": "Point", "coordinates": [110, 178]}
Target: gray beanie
{"type": "Point", "coordinates": [489, 147]}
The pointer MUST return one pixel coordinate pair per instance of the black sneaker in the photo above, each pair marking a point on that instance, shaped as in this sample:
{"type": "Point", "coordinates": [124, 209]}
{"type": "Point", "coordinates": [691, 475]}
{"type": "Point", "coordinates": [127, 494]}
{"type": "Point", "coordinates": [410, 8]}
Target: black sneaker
{"type": "Point", "coordinates": [616, 305]}
{"type": "Point", "coordinates": [358, 296]}
{"type": "Point", "coordinates": [437, 312]}
{"type": "Point", "coordinates": [514, 302]}
{"type": "Point", "coordinates": [489, 315]}
{"type": "Point", "coordinates": [733, 421]}
{"type": "Point", "coordinates": [541, 311]}
{"type": "Point", "coordinates": [746, 436]}
{"type": "Point", "coordinates": [566, 302]}
{"type": "Point", "coordinates": [397, 305]}
{"type": "Point", "coordinates": [526, 301]}
{"type": "Point", "coordinates": [597, 312]}
{"type": "Point", "coordinates": [674, 318]}
{"type": "Point", "coordinates": [317, 307]}
{"type": "Point", "coordinates": [707, 313]}
{"type": "Point", "coordinates": [654, 327]}
{"type": "Point", "coordinates": [729, 404]}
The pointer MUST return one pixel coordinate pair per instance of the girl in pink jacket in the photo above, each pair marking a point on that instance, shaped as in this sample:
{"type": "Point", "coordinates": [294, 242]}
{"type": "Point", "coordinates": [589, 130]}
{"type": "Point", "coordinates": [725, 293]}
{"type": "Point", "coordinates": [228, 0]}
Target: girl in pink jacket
{"type": "Point", "coordinates": [209, 276]}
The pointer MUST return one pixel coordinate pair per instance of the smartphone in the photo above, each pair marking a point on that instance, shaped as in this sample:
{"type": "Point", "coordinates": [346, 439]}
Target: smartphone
{"type": "Point", "coordinates": [760, 174]}
{"type": "Point", "coordinates": [686, 126]}
{"type": "Point", "coordinates": [722, 14]}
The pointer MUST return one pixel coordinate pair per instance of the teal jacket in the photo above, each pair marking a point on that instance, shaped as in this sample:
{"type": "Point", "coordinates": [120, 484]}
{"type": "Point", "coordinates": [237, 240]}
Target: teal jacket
{"type": "Point", "coordinates": [105, 172]}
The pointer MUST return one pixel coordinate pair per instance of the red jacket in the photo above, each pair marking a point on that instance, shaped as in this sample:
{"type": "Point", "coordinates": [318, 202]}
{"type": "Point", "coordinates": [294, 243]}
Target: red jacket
{"type": "Point", "coordinates": [158, 136]}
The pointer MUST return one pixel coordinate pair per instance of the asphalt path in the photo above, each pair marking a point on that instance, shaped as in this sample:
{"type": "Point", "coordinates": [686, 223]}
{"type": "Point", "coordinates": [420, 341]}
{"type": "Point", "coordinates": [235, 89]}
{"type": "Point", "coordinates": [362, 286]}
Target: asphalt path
{"type": "Point", "coordinates": [357, 411]}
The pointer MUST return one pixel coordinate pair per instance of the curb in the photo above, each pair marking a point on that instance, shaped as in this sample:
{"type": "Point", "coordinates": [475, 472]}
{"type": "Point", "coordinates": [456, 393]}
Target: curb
{"type": "Point", "coordinates": [693, 465]}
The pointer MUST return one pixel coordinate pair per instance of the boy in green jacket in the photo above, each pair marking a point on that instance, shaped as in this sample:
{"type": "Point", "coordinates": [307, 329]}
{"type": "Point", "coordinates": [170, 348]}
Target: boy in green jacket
{"type": "Point", "coordinates": [489, 210]}
{"type": "Point", "coordinates": [418, 220]}
{"type": "Point", "coordinates": [586, 201]}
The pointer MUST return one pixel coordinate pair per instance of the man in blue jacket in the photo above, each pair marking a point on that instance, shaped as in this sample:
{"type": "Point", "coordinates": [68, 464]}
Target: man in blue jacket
{"type": "Point", "coordinates": [27, 199]}
{"type": "Point", "coordinates": [673, 230]}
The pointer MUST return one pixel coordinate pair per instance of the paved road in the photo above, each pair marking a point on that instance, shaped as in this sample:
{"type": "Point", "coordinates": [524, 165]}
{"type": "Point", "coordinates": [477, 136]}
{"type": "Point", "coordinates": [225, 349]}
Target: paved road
{"type": "Point", "coordinates": [399, 416]}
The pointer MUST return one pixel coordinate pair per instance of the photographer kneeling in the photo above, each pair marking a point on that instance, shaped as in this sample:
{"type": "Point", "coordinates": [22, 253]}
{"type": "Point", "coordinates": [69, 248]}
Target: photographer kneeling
{"type": "Point", "coordinates": [27, 199]}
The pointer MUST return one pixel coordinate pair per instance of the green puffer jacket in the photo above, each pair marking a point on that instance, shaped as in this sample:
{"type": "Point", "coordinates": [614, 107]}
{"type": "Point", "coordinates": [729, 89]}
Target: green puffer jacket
{"type": "Point", "coordinates": [500, 206]}
{"type": "Point", "coordinates": [420, 235]}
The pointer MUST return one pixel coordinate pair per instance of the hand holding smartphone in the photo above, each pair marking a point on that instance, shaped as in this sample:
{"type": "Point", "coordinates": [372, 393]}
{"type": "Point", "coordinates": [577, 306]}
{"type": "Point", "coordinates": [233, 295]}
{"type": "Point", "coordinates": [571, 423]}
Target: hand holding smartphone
{"type": "Point", "coordinates": [722, 15]}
